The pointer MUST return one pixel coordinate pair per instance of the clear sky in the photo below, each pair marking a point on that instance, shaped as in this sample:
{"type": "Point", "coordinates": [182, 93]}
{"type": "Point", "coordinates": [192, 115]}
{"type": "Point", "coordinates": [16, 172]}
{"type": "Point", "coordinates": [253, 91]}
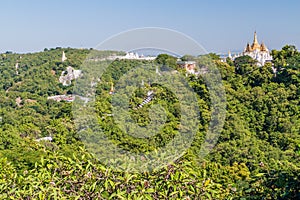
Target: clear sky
{"type": "Point", "coordinates": [218, 25]}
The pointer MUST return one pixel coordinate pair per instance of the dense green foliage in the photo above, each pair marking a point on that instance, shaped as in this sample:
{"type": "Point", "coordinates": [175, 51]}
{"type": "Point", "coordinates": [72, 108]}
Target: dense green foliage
{"type": "Point", "coordinates": [256, 157]}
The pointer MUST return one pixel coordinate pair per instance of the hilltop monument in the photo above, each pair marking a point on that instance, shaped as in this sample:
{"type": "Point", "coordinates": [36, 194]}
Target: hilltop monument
{"type": "Point", "coordinates": [258, 52]}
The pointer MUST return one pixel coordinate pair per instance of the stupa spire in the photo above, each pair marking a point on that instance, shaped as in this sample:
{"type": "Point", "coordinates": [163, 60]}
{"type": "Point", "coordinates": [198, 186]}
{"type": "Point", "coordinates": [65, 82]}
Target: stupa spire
{"type": "Point", "coordinates": [255, 45]}
{"type": "Point", "coordinates": [229, 54]}
{"type": "Point", "coordinates": [255, 41]}
{"type": "Point", "coordinates": [64, 57]}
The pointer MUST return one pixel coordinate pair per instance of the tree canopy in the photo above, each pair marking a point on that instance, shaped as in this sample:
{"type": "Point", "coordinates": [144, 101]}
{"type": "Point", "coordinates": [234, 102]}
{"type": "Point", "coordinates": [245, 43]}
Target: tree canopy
{"type": "Point", "coordinates": [256, 156]}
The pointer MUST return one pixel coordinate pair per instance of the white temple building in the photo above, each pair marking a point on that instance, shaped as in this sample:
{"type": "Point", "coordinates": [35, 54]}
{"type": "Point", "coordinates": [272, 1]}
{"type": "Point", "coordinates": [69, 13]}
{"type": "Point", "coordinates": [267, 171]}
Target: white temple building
{"type": "Point", "coordinates": [257, 51]}
{"type": "Point", "coordinates": [70, 74]}
{"type": "Point", "coordinates": [132, 56]}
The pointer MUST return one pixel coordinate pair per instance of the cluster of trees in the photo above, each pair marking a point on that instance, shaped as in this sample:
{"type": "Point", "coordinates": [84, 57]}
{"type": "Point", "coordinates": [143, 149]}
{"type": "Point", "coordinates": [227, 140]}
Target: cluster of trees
{"type": "Point", "coordinates": [256, 156]}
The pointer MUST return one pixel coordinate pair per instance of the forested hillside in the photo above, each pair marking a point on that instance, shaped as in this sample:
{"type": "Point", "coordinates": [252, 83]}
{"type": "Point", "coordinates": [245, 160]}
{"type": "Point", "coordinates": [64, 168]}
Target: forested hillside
{"type": "Point", "coordinates": [256, 156]}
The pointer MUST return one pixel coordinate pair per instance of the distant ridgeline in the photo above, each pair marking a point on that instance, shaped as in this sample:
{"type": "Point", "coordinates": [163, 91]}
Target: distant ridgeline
{"type": "Point", "coordinates": [257, 154]}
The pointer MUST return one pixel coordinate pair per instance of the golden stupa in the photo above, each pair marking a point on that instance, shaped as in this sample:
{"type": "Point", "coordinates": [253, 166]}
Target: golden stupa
{"type": "Point", "coordinates": [255, 45]}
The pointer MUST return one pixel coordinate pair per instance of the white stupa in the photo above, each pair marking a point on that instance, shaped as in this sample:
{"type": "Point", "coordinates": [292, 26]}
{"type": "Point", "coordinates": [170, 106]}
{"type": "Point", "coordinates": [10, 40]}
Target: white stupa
{"type": "Point", "coordinates": [64, 57]}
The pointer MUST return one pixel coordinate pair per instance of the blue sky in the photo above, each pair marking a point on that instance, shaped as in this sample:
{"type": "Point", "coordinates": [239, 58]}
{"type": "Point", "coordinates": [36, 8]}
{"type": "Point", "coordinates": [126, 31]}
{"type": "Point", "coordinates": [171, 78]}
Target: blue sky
{"type": "Point", "coordinates": [218, 25]}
